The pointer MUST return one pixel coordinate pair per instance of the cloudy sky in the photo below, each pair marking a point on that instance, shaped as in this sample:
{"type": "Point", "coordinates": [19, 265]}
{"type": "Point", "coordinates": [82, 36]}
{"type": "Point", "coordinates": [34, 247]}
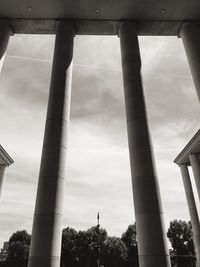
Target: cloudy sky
{"type": "Point", "coordinates": [98, 162]}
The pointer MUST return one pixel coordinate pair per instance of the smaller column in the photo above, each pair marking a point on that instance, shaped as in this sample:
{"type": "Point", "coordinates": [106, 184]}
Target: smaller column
{"type": "Point", "coordinates": [5, 32]}
{"type": "Point", "coordinates": [5, 161]}
{"type": "Point", "coordinates": [192, 211]}
{"type": "Point", "coordinates": [196, 171]}
{"type": "Point", "coordinates": [2, 171]}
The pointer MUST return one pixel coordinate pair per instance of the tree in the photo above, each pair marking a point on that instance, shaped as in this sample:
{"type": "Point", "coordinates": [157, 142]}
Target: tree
{"type": "Point", "coordinates": [80, 249]}
{"type": "Point", "coordinates": [96, 236]}
{"type": "Point", "coordinates": [18, 249]}
{"type": "Point", "coordinates": [87, 244]}
{"type": "Point", "coordinates": [130, 241]}
{"type": "Point", "coordinates": [180, 237]}
{"type": "Point", "coordinates": [114, 252]}
{"type": "Point", "coordinates": [83, 248]}
{"type": "Point", "coordinates": [3, 258]}
{"type": "Point", "coordinates": [69, 250]}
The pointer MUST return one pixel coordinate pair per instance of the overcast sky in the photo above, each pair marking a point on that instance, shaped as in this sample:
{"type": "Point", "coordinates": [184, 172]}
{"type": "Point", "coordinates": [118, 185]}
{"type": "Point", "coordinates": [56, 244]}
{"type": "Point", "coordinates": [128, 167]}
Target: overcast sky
{"type": "Point", "coordinates": [98, 162]}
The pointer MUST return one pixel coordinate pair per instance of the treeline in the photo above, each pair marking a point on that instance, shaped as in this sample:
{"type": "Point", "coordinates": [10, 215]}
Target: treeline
{"type": "Point", "coordinates": [94, 247]}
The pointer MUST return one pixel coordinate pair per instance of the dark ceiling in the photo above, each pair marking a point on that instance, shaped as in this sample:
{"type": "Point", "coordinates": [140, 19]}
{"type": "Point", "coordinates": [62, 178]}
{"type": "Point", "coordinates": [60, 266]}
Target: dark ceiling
{"type": "Point", "coordinates": [153, 17]}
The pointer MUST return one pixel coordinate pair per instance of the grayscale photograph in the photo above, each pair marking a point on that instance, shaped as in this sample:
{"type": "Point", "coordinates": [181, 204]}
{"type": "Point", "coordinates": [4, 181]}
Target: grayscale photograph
{"type": "Point", "coordinates": [99, 133]}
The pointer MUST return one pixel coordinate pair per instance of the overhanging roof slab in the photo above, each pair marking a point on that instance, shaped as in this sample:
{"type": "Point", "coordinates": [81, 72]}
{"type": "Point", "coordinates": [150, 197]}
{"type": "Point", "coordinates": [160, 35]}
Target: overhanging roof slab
{"type": "Point", "coordinates": [153, 17]}
{"type": "Point", "coordinates": [176, 10]}
{"type": "Point", "coordinates": [95, 27]}
{"type": "Point", "coordinates": [193, 147]}
{"type": "Point", "coordinates": [5, 159]}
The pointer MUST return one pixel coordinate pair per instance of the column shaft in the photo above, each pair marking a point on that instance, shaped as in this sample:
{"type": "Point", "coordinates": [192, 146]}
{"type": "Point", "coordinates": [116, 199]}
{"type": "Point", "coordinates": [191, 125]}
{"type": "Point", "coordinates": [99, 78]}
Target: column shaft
{"type": "Point", "coordinates": [192, 210]}
{"type": "Point", "coordinates": [190, 34]}
{"type": "Point", "coordinates": [47, 226]}
{"type": "Point", "coordinates": [5, 32]}
{"type": "Point", "coordinates": [196, 171]}
{"type": "Point", "coordinates": [151, 235]}
{"type": "Point", "coordinates": [2, 171]}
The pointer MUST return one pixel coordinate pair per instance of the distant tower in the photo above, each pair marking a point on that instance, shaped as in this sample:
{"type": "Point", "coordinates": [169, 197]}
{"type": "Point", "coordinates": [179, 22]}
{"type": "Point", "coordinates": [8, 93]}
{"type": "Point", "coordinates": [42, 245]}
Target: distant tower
{"type": "Point", "coordinates": [5, 161]}
{"type": "Point", "coordinates": [98, 217]}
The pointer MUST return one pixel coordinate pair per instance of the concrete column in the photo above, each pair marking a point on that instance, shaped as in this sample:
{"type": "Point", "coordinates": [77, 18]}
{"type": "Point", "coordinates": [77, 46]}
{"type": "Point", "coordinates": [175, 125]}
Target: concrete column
{"type": "Point", "coordinates": [5, 32]}
{"type": "Point", "coordinates": [192, 210]}
{"type": "Point", "coordinates": [47, 226]}
{"type": "Point", "coordinates": [196, 171]}
{"type": "Point", "coordinates": [190, 34]}
{"type": "Point", "coordinates": [151, 235]}
{"type": "Point", "coordinates": [2, 171]}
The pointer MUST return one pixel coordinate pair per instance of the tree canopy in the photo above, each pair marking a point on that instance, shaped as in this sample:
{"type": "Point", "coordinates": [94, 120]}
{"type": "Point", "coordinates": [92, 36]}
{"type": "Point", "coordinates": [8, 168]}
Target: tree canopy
{"type": "Point", "coordinates": [130, 241]}
{"type": "Point", "coordinates": [69, 251]}
{"type": "Point", "coordinates": [18, 249]}
{"type": "Point", "coordinates": [115, 253]}
{"type": "Point", "coordinates": [82, 248]}
{"type": "Point", "coordinates": [94, 246]}
{"type": "Point", "coordinates": [180, 237]}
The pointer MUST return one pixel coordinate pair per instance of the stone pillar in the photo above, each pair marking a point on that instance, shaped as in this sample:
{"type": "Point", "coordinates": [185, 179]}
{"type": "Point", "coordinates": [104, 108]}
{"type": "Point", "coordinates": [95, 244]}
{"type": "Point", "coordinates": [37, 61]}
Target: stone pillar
{"type": "Point", "coordinates": [190, 34]}
{"type": "Point", "coordinates": [196, 171]}
{"type": "Point", "coordinates": [5, 32]}
{"type": "Point", "coordinates": [47, 226]}
{"type": "Point", "coordinates": [192, 210]}
{"type": "Point", "coordinates": [151, 235]}
{"type": "Point", "coordinates": [2, 171]}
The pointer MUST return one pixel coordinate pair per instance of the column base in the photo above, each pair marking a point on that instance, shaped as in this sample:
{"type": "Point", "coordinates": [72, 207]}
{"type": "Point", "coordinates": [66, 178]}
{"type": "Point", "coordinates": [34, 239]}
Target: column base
{"type": "Point", "coordinates": [154, 261]}
{"type": "Point", "coordinates": [42, 261]}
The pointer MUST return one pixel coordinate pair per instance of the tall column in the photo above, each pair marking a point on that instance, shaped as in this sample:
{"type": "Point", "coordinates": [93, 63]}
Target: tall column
{"type": "Point", "coordinates": [190, 34]}
{"type": "Point", "coordinates": [2, 170]}
{"type": "Point", "coordinates": [151, 235]}
{"type": "Point", "coordinates": [47, 226]}
{"type": "Point", "coordinates": [192, 210]}
{"type": "Point", "coordinates": [196, 171]}
{"type": "Point", "coordinates": [5, 32]}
